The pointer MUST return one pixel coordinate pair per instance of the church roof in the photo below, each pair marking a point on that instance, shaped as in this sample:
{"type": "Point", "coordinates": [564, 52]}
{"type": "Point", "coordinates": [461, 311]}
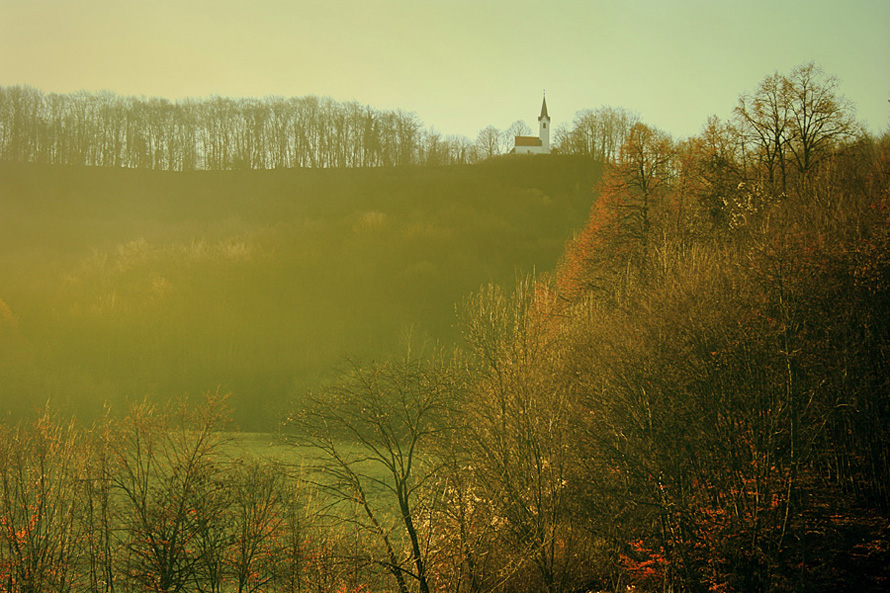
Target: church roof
{"type": "Point", "coordinates": [544, 110]}
{"type": "Point", "coordinates": [527, 141]}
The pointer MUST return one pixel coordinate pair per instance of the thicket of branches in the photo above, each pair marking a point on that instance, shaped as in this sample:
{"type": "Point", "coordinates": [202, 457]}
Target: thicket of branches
{"type": "Point", "coordinates": [721, 330]}
{"type": "Point", "coordinates": [152, 501]}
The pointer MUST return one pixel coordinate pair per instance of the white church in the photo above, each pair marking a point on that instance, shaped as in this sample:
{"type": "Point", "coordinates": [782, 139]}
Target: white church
{"type": "Point", "coordinates": [539, 144]}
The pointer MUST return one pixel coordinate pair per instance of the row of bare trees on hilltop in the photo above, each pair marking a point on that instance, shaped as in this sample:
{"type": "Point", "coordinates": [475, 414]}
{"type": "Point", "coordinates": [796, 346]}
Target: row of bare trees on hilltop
{"type": "Point", "coordinates": [104, 129]}
{"type": "Point", "coordinates": [789, 118]}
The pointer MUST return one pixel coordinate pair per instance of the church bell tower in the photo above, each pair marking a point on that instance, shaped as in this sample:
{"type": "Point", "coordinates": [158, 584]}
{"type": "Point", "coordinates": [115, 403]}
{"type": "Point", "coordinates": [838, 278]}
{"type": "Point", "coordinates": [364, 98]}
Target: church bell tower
{"type": "Point", "coordinates": [544, 128]}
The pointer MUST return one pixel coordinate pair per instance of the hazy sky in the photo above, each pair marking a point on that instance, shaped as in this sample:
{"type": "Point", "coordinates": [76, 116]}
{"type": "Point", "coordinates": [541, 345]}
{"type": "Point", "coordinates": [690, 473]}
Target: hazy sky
{"type": "Point", "coordinates": [460, 65]}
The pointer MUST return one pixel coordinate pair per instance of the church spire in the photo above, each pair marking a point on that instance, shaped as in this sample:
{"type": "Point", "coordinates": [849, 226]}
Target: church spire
{"type": "Point", "coordinates": [544, 127]}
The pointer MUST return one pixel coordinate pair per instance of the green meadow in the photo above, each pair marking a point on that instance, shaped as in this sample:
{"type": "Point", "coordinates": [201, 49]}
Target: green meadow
{"type": "Point", "coordinates": [121, 284]}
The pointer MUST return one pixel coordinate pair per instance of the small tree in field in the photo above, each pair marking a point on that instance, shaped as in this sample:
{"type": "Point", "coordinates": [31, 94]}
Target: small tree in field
{"type": "Point", "coordinates": [163, 466]}
{"type": "Point", "coordinates": [257, 510]}
{"type": "Point", "coordinates": [374, 430]}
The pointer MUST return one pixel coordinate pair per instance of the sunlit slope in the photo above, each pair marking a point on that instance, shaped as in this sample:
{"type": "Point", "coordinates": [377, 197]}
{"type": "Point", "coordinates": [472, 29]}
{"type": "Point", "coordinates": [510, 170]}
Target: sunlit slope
{"type": "Point", "coordinates": [125, 283]}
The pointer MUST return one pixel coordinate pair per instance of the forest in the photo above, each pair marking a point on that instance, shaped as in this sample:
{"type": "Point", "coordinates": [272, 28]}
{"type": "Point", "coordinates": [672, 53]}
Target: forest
{"type": "Point", "coordinates": [126, 283]}
{"type": "Point", "coordinates": [693, 396]}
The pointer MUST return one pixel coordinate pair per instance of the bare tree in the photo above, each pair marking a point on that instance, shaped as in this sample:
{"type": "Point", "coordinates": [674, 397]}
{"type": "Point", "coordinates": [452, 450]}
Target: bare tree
{"type": "Point", "coordinates": [374, 431]}
{"type": "Point", "coordinates": [764, 117]}
{"type": "Point", "coordinates": [488, 142]}
{"type": "Point", "coordinates": [508, 136]}
{"type": "Point", "coordinates": [819, 117]}
{"type": "Point", "coordinates": [516, 413]}
{"type": "Point", "coordinates": [639, 179]}
{"type": "Point", "coordinates": [40, 531]}
{"type": "Point", "coordinates": [794, 121]}
{"type": "Point", "coordinates": [163, 463]}
{"type": "Point", "coordinates": [598, 132]}
{"type": "Point", "coordinates": [258, 506]}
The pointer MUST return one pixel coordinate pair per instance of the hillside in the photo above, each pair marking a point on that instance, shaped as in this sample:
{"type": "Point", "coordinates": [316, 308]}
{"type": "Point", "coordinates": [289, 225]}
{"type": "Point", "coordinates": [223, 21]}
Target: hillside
{"type": "Point", "coordinates": [121, 283]}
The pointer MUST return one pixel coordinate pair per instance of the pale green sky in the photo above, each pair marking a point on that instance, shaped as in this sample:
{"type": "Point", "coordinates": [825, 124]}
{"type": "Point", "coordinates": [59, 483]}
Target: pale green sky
{"type": "Point", "coordinates": [460, 65]}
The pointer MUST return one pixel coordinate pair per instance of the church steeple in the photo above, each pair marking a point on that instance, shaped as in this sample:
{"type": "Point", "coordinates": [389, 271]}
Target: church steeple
{"type": "Point", "coordinates": [544, 127]}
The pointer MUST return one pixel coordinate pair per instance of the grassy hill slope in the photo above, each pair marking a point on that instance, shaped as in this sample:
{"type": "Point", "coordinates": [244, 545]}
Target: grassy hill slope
{"type": "Point", "coordinates": [123, 283]}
